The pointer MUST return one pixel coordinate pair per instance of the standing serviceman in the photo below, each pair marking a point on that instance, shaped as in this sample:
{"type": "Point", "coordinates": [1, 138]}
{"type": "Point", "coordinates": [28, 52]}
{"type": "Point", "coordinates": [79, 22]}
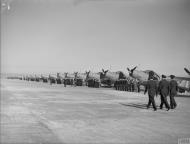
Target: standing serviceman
{"type": "Point", "coordinates": [164, 88]}
{"type": "Point", "coordinates": [50, 80]}
{"type": "Point", "coordinates": [151, 87]}
{"type": "Point", "coordinates": [133, 85]}
{"type": "Point", "coordinates": [138, 86]}
{"type": "Point", "coordinates": [65, 83]}
{"type": "Point", "coordinates": [173, 92]}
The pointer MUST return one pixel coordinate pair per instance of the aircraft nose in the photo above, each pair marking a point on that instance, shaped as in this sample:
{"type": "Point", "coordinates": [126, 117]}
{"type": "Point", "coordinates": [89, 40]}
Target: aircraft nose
{"type": "Point", "coordinates": [101, 75]}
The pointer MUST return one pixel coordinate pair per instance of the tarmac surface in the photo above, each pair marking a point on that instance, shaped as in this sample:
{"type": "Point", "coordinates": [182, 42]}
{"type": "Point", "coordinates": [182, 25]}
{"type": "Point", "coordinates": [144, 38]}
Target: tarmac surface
{"type": "Point", "coordinates": [39, 113]}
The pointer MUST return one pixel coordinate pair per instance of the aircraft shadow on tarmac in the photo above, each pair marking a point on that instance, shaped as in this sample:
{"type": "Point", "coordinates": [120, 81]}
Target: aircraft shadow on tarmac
{"type": "Point", "coordinates": [136, 105]}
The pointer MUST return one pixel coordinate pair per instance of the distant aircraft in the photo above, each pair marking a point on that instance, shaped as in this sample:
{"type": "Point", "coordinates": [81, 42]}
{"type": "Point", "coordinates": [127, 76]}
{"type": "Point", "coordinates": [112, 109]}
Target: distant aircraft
{"type": "Point", "coordinates": [80, 78]}
{"type": "Point", "coordinates": [93, 79]}
{"type": "Point", "coordinates": [183, 82]}
{"type": "Point", "coordinates": [90, 75]}
{"type": "Point", "coordinates": [60, 78]}
{"type": "Point", "coordinates": [69, 77]}
{"type": "Point", "coordinates": [80, 75]}
{"type": "Point", "coordinates": [142, 76]}
{"type": "Point", "coordinates": [109, 78]}
{"type": "Point", "coordinates": [14, 76]}
{"type": "Point", "coordinates": [44, 78]}
{"type": "Point", "coordinates": [31, 77]}
{"type": "Point", "coordinates": [37, 78]}
{"type": "Point", "coordinates": [52, 78]}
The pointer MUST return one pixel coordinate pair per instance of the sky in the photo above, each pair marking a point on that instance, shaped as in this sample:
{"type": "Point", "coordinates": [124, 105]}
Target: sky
{"type": "Point", "coordinates": [49, 36]}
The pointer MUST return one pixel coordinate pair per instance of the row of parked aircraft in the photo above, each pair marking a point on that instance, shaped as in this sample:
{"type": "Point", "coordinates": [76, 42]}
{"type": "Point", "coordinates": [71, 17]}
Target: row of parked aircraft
{"type": "Point", "coordinates": [108, 78]}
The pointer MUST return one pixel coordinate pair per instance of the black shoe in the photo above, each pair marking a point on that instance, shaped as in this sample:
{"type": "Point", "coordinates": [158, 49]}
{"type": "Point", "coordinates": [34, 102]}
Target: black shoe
{"type": "Point", "coordinates": [168, 109]}
{"type": "Point", "coordinates": [161, 108]}
{"type": "Point", "coordinates": [155, 109]}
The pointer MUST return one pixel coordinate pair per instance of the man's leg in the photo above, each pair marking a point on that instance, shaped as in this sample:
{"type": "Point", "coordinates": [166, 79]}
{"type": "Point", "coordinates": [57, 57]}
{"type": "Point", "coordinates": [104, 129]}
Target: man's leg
{"type": "Point", "coordinates": [166, 102]}
{"type": "Point", "coordinates": [153, 102]}
{"type": "Point", "coordinates": [174, 102]}
{"type": "Point", "coordinates": [171, 102]}
{"type": "Point", "coordinates": [161, 99]}
{"type": "Point", "coordinates": [149, 102]}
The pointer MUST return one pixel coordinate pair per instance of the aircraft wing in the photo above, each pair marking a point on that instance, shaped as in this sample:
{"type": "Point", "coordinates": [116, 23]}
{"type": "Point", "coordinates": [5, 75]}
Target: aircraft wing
{"type": "Point", "coordinates": [183, 83]}
{"type": "Point", "coordinates": [182, 78]}
{"type": "Point", "coordinates": [53, 76]}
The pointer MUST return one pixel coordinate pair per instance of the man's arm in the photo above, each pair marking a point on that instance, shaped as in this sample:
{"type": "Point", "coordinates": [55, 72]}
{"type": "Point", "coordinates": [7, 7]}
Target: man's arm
{"type": "Point", "coordinates": [168, 88]}
{"type": "Point", "coordinates": [157, 88]}
{"type": "Point", "coordinates": [177, 86]}
{"type": "Point", "coordinates": [146, 88]}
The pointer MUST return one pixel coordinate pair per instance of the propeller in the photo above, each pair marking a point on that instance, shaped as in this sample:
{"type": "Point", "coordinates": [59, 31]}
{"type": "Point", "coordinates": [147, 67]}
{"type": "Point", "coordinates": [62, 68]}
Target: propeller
{"type": "Point", "coordinates": [131, 71]}
{"type": "Point", "coordinates": [75, 73]}
{"type": "Point", "coordinates": [65, 74]}
{"type": "Point", "coordinates": [87, 74]}
{"type": "Point", "coordinates": [104, 71]}
{"type": "Point", "coordinates": [102, 74]}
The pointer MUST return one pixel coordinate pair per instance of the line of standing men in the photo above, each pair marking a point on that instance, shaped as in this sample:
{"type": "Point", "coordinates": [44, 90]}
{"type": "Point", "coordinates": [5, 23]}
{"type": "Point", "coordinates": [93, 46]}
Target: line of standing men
{"type": "Point", "coordinates": [164, 88]}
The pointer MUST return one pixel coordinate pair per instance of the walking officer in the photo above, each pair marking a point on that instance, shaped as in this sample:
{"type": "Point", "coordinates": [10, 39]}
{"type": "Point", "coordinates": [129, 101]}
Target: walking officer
{"type": "Point", "coordinates": [151, 87]}
{"type": "Point", "coordinates": [173, 92]}
{"type": "Point", "coordinates": [164, 88]}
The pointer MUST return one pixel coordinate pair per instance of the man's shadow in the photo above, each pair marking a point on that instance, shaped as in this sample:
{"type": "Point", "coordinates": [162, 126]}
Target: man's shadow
{"type": "Point", "coordinates": [136, 105]}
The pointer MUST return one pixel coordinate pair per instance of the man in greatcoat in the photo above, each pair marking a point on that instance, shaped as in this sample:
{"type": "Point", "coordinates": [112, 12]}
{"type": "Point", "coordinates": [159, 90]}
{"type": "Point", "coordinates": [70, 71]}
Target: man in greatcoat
{"type": "Point", "coordinates": [164, 88]}
{"type": "Point", "coordinates": [173, 92]}
{"type": "Point", "coordinates": [152, 88]}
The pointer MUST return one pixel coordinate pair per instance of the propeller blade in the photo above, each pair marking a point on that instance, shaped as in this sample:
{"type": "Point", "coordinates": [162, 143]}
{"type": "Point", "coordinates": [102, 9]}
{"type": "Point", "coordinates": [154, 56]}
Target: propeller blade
{"type": "Point", "coordinates": [87, 72]}
{"type": "Point", "coordinates": [128, 69]}
{"type": "Point", "coordinates": [134, 68]}
{"type": "Point", "coordinates": [187, 71]}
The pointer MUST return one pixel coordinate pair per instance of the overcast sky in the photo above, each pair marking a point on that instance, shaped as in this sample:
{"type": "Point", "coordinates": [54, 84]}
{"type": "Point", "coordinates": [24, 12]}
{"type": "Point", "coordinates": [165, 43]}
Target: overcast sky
{"type": "Point", "coordinates": [42, 36]}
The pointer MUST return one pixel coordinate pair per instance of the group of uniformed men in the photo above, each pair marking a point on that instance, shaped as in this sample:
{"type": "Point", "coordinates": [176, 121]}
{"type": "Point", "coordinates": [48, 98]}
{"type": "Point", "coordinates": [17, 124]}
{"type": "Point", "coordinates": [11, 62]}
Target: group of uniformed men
{"type": "Point", "coordinates": [127, 85]}
{"type": "Point", "coordinates": [164, 88]}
